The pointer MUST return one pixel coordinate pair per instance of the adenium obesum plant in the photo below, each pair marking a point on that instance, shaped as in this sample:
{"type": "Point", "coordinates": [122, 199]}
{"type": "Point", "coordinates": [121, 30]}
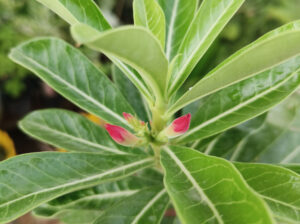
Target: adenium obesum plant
{"type": "Point", "coordinates": [158, 157]}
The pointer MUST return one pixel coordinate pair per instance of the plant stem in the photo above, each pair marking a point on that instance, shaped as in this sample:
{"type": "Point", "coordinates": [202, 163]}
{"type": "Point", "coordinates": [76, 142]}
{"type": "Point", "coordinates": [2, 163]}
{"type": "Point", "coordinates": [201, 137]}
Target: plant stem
{"type": "Point", "coordinates": [156, 150]}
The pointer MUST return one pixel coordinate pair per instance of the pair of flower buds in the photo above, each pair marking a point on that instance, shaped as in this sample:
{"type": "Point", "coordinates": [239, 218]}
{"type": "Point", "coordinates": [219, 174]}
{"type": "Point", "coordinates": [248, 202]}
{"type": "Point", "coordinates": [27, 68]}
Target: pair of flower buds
{"type": "Point", "coordinates": [123, 137]}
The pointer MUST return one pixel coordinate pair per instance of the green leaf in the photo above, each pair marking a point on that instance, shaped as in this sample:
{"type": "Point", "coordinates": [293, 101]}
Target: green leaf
{"type": "Point", "coordinates": [243, 101]}
{"type": "Point", "coordinates": [87, 12]}
{"type": "Point", "coordinates": [293, 167]}
{"type": "Point", "coordinates": [131, 94]}
{"type": "Point", "coordinates": [70, 131]}
{"type": "Point", "coordinates": [146, 206]}
{"type": "Point", "coordinates": [92, 200]}
{"type": "Point", "coordinates": [278, 186]}
{"type": "Point", "coordinates": [270, 138]}
{"type": "Point", "coordinates": [74, 11]}
{"type": "Point", "coordinates": [148, 13]}
{"type": "Point", "coordinates": [69, 216]}
{"type": "Point", "coordinates": [148, 57]}
{"type": "Point", "coordinates": [268, 51]}
{"type": "Point", "coordinates": [207, 189]}
{"type": "Point", "coordinates": [74, 76]}
{"type": "Point", "coordinates": [179, 16]}
{"type": "Point", "coordinates": [30, 180]}
{"type": "Point", "coordinates": [284, 147]}
{"type": "Point", "coordinates": [209, 21]}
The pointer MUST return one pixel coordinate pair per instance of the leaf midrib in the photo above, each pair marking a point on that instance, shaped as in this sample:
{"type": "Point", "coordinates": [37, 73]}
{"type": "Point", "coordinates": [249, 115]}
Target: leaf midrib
{"type": "Point", "coordinates": [84, 95]}
{"type": "Point", "coordinates": [188, 60]}
{"type": "Point", "coordinates": [71, 137]}
{"type": "Point", "coordinates": [239, 106]}
{"type": "Point", "coordinates": [148, 205]}
{"type": "Point", "coordinates": [77, 182]}
{"type": "Point", "coordinates": [195, 184]}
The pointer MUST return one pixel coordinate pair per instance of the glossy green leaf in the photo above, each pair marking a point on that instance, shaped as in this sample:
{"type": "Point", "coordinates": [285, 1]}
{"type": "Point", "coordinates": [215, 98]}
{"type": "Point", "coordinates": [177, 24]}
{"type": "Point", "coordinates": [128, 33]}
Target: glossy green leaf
{"type": "Point", "coordinates": [268, 51]}
{"type": "Point", "coordinates": [74, 76]}
{"type": "Point", "coordinates": [284, 147]}
{"type": "Point", "coordinates": [243, 101]}
{"type": "Point", "coordinates": [74, 11]}
{"type": "Point", "coordinates": [270, 138]}
{"type": "Point", "coordinates": [70, 131]}
{"type": "Point", "coordinates": [29, 180]}
{"type": "Point", "coordinates": [207, 189]}
{"type": "Point", "coordinates": [135, 46]}
{"type": "Point", "coordinates": [278, 186]}
{"type": "Point", "coordinates": [209, 21]}
{"type": "Point", "coordinates": [131, 94]}
{"type": "Point", "coordinates": [178, 15]}
{"type": "Point", "coordinates": [92, 200]}
{"type": "Point", "coordinates": [146, 206]}
{"type": "Point", "coordinates": [87, 12]}
{"type": "Point", "coordinates": [148, 13]}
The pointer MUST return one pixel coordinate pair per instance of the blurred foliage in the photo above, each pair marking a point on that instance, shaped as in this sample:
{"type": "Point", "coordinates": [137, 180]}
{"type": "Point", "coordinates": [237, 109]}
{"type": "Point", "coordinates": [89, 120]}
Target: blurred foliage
{"type": "Point", "coordinates": [255, 18]}
{"type": "Point", "coordinates": [21, 20]}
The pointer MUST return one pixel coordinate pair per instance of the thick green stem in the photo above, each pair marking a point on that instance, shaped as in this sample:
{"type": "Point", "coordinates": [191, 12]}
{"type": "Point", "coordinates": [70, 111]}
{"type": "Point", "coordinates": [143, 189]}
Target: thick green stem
{"type": "Point", "coordinates": [158, 115]}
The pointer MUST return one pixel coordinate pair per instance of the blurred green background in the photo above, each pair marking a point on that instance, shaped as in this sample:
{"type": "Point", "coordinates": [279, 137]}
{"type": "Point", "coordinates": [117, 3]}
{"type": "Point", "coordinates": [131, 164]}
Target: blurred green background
{"type": "Point", "coordinates": [20, 20]}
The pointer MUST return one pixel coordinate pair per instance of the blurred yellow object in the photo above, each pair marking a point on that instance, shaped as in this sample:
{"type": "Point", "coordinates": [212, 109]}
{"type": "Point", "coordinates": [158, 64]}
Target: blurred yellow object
{"type": "Point", "coordinates": [92, 118]}
{"type": "Point", "coordinates": [7, 148]}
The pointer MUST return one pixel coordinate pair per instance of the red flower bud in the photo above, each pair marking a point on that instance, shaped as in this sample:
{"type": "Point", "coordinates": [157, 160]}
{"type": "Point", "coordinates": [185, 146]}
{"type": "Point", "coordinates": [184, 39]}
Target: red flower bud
{"type": "Point", "coordinates": [121, 135]}
{"type": "Point", "coordinates": [179, 126]}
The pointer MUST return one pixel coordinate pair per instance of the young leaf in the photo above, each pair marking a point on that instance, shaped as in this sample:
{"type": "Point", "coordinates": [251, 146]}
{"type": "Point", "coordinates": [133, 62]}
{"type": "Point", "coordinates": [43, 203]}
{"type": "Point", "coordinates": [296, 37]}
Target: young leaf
{"type": "Point", "coordinates": [30, 180]}
{"type": "Point", "coordinates": [207, 189]}
{"type": "Point", "coordinates": [87, 12]}
{"type": "Point", "coordinates": [148, 57]}
{"type": "Point", "coordinates": [244, 100]}
{"type": "Point", "coordinates": [148, 13]}
{"type": "Point", "coordinates": [178, 15]}
{"type": "Point", "coordinates": [131, 94]}
{"type": "Point", "coordinates": [146, 206]}
{"type": "Point", "coordinates": [268, 51]}
{"type": "Point", "coordinates": [278, 186]}
{"type": "Point", "coordinates": [70, 131]}
{"type": "Point", "coordinates": [73, 75]}
{"type": "Point", "coordinates": [209, 21]}
{"type": "Point", "coordinates": [74, 11]}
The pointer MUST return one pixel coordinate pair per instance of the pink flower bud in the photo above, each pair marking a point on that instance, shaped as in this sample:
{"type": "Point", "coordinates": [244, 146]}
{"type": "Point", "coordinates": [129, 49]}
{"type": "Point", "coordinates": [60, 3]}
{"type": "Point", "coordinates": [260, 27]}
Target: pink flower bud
{"type": "Point", "coordinates": [121, 135]}
{"type": "Point", "coordinates": [179, 126]}
{"type": "Point", "coordinates": [128, 116]}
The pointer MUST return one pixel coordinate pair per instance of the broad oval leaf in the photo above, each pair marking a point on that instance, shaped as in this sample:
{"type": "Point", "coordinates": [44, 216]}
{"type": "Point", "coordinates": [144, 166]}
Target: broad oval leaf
{"type": "Point", "coordinates": [135, 46]}
{"type": "Point", "coordinates": [29, 180]}
{"type": "Point", "coordinates": [268, 51]}
{"type": "Point", "coordinates": [178, 15]}
{"type": "Point", "coordinates": [149, 14]}
{"type": "Point", "coordinates": [74, 76]}
{"type": "Point", "coordinates": [209, 21]}
{"type": "Point", "coordinates": [74, 11]}
{"type": "Point", "coordinates": [278, 186]}
{"type": "Point", "coordinates": [70, 131]}
{"type": "Point", "coordinates": [243, 101]}
{"type": "Point", "coordinates": [87, 12]}
{"type": "Point", "coordinates": [146, 206]}
{"type": "Point", "coordinates": [207, 189]}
